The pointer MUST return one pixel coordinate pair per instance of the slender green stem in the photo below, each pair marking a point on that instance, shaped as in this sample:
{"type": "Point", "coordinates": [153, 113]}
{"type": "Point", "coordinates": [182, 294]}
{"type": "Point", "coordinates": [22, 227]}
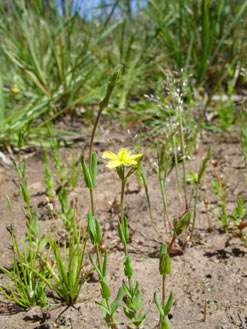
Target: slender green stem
{"type": "Point", "coordinates": [194, 214]}
{"type": "Point", "coordinates": [130, 285]}
{"type": "Point", "coordinates": [171, 244]}
{"type": "Point", "coordinates": [19, 157]}
{"type": "Point", "coordinates": [122, 199]}
{"type": "Point", "coordinates": [143, 176]}
{"type": "Point", "coordinates": [90, 155]}
{"type": "Point", "coordinates": [109, 307]}
{"type": "Point", "coordinates": [92, 138]}
{"type": "Point", "coordinates": [162, 187]}
{"type": "Point", "coordinates": [98, 257]}
{"type": "Point", "coordinates": [163, 290]}
{"type": "Point", "coordinates": [122, 218]}
{"type": "Point", "coordinates": [183, 157]}
{"type": "Point", "coordinates": [103, 104]}
{"type": "Point", "coordinates": [191, 195]}
{"type": "Point", "coordinates": [91, 200]}
{"type": "Point", "coordinates": [174, 145]}
{"type": "Point", "coordinates": [123, 179]}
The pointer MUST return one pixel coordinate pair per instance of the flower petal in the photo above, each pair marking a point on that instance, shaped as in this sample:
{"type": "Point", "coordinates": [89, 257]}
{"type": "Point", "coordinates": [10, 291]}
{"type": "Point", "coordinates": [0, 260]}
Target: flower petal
{"type": "Point", "coordinates": [135, 156]}
{"type": "Point", "coordinates": [114, 164]}
{"type": "Point", "coordinates": [130, 162]}
{"type": "Point", "coordinates": [110, 155]}
{"type": "Point", "coordinates": [122, 154]}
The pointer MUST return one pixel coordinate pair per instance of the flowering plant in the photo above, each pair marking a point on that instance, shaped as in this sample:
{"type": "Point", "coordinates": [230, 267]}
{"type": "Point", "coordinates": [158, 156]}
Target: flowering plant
{"type": "Point", "coordinates": [123, 157]}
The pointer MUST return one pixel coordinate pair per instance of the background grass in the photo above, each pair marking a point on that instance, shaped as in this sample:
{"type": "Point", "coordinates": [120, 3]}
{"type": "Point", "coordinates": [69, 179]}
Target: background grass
{"type": "Point", "coordinates": [59, 62]}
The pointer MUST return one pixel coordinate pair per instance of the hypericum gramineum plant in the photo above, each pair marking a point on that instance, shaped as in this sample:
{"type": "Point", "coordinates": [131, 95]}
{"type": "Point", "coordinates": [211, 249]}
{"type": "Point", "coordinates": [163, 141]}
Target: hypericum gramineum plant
{"type": "Point", "coordinates": [120, 161]}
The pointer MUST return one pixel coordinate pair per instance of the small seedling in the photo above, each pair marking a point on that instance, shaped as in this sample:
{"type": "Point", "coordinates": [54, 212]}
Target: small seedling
{"type": "Point", "coordinates": [239, 219]}
{"type": "Point", "coordinates": [48, 177]}
{"type": "Point", "coordinates": [219, 187]}
{"type": "Point", "coordinates": [195, 179]}
{"type": "Point", "coordinates": [65, 275]}
{"type": "Point", "coordinates": [121, 161]}
{"type": "Point", "coordinates": [28, 289]}
{"type": "Point", "coordinates": [243, 137]}
{"type": "Point", "coordinates": [108, 309]}
{"type": "Point", "coordinates": [165, 306]}
{"type": "Point", "coordinates": [67, 209]}
{"type": "Point", "coordinates": [164, 163]}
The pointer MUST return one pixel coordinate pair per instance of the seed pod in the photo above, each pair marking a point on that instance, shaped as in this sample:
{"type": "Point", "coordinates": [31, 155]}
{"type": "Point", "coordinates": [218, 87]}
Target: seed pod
{"type": "Point", "coordinates": [181, 224]}
{"type": "Point", "coordinates": [164, 266]}
{"type": "Point", "coordinates": [128, 269]}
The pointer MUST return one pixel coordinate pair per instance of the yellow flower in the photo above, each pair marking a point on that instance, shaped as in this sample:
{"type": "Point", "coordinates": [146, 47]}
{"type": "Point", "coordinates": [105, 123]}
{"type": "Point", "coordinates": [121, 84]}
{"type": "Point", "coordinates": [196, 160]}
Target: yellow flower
{"type": "Point", "coordinates": [15, 90]}
{"type": "Point", "coordinates": [123, 158]}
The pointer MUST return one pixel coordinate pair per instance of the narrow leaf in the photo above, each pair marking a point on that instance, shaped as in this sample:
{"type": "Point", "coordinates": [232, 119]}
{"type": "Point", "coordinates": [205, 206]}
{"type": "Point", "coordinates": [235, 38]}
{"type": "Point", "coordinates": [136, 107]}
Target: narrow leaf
{"type": "Point", "coordinates": [2, 102]}
{"type": "Point", "coordinates": [117, 300]}
{"type": "Point", "coordinates": [204, 166]}
{"type": "Point", "coordinates": [105, 290]}
{"type": "Point", "coordinates": [157, 303]}
{"type": "Point", "coordinates": [104, 267]}
{"type": "Point", "coordinates": [168, 304]}
{"type": "Point", "coordinates": [94, 169]}
{"type": "Point", "coordinates": [86, 173]}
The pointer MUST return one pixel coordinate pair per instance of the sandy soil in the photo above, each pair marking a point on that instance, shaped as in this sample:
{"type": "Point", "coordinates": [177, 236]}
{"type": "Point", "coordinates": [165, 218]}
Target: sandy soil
{"type": "Point", "coordinates": [208, 279]}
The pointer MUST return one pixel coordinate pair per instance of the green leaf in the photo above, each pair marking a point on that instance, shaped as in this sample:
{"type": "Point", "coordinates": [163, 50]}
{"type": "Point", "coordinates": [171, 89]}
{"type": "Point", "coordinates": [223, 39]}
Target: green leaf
{"type": "Point", "coordinates": [104, 264]}
{"type": "Point", "coordinates": [110, 86]}
{"type": "Point", "coordinates": [98, 231]}
{"type": "Point", "coordinates": [25, 193]}
{"type": "Point", "coordinates": [126, 289]}
{"type": "Point", "coordinates": [129, 313]}
{"type": "Point", "coordinates": [117, 300]}
{"type": "Point", "coordinates": [130, 304]}
{"type": "Point", "coordinates": [86, 173]}
{"type": "Point", "coordinates": [238, 211]}
{"type": "Point", "coordinates": [157, 303]}
{"type": "Point", "coordinates": [193, 178]}
{"type": "Point", "coordinates": [104, 308]}
{"type": "Point", "coordinates": [140, 319]}
{"type": "Point", "coordinates": [105, 290]}
{"type": "Point", "coordinates": [168, 304]}
{"type": "Point", "coordinates": [136, 287]}
{"type": "Point", "coordinates": [42, 243]}
{"type": "Point", "coordinates": [203, 166]}
{"type": "Point", "coordinates": [91, 228]}
{"type": "Point", "coordinates": [94, 229]}
{"type": "Point", "coordinates": [126, 230]}
{"type": "Point", "coordinates": [96, 266]}
{"type": "Point", "coordinates": [121, 232]}
{"type": "Point", "coordinates": [2, 101]}
{"type": "Point", "coordinates": [35, 223]}
{"type": "Point", "coordinates": [94, 168]}
{"type": "Point", "coordinates": [165, 324]}
{"type": "Point", "coordinates": [30, 229]}
{"type": "Point", "coordinates": [21, 141]}
{"type": "Point", "coordinates": [137, 300]}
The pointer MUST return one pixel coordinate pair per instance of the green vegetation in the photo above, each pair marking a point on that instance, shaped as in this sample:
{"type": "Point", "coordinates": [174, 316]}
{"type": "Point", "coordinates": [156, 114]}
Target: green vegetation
{"type": "Point", "coordinates": [174, 67]}
{"type": "Point", "coordinates": [53, 64]}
